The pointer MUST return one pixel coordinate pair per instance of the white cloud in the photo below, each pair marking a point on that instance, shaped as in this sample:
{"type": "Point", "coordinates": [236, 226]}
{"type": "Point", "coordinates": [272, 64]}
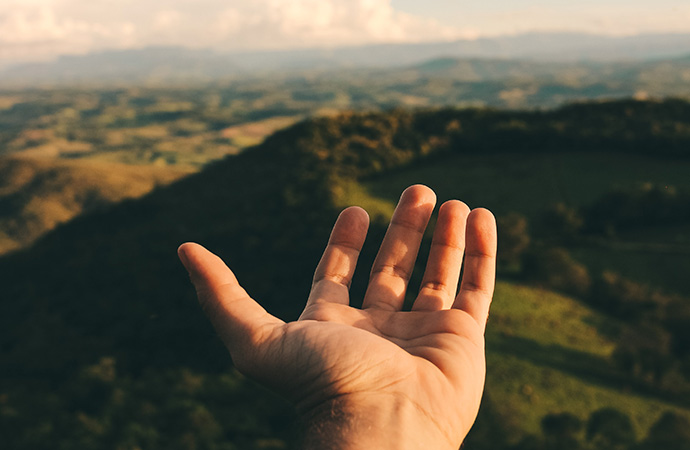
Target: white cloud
{"type": "Point", "coordinates": [290, 23]}
{"type": "Point", "coordinates": [167, 20]}
{"type": "Point", "coordinates": [35, 30]}
{"type": "Point", "coordinates": [41, 29]}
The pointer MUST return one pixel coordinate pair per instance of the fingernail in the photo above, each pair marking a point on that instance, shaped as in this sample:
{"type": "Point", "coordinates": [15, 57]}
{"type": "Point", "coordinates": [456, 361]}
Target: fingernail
{"type": "Point", "coordinates": [183, 257]}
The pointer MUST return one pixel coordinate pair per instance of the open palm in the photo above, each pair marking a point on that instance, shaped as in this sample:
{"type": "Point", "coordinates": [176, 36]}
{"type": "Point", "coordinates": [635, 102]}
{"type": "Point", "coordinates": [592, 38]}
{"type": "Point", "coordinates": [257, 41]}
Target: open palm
{"type": "Point", "coordinates": [413, 377]}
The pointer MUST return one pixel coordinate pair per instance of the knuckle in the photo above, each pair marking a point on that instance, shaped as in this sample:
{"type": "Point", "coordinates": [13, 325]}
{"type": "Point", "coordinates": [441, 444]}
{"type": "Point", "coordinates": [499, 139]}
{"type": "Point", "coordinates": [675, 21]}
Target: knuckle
{"type": "Point", "coordinates": [394, 270]}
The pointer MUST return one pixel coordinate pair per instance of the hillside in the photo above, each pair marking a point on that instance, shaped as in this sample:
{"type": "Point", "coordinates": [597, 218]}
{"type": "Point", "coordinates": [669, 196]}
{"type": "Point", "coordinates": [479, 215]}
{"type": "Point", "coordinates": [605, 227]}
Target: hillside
{"type": "Point", "coordinates": [547, 353]}
{"type": "Point", "coordinates": [36, 195]}
{"type": "Point", "coordinates": [111, 349]}
{"type": "Point", "coordinates": [530, 184]}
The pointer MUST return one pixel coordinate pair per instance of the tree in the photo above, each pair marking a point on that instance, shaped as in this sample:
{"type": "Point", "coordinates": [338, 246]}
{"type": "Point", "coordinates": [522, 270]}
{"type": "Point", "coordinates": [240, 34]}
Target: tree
{"type": "Point", "coordinates": [555, 268]}
{"type": "Point", "coordinates": [670, 432]}
{"type": "Point", "coordinates": [644, 351]}
{"type": "Point", "coordinates": [610, 429]}
{"type": "Point", "coordinates": [513, 230]}
{"type": "Point", "coordinates": [562, 221]}
{"type": "Point", "coordinates": [624, 298]}
{"type": "Point", "coordinates": [530, 442]}
{"type": "Point", "coordinates": [560, 431]}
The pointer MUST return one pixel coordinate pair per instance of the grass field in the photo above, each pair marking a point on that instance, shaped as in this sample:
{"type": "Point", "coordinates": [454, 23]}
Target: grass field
{"type": "Point", "coordinates": [547, 353]}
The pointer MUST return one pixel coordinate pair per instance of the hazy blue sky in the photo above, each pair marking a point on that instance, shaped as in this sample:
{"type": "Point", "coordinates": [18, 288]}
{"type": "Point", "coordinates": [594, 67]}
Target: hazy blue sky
{"type": "Point", "coordinates": [42, 29]}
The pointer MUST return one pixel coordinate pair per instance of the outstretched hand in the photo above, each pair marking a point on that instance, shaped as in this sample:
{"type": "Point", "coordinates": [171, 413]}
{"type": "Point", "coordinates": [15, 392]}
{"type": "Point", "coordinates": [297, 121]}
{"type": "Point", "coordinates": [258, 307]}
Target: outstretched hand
{"type": "Point", "coordinates": [375, 377]}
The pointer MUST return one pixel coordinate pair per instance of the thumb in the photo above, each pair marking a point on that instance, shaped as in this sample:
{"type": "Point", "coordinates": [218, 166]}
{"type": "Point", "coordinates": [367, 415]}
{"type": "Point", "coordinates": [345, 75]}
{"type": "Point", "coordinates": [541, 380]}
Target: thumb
{"type": "Point", "coordinates": [240, 322]}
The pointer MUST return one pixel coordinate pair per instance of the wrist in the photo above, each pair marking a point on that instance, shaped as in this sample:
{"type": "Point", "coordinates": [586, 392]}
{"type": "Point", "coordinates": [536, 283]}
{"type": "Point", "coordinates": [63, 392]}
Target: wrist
{"type": "Point", "coordinates": [366, 421]}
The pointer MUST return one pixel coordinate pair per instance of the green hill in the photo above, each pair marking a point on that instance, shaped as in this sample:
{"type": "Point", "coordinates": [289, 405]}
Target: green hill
{"type": "Point", "coordinates": [548, 354]}
{"type": "Point", "coordinates": [531, 183]}
{"type": "Point", "coordinates": [103, 345]}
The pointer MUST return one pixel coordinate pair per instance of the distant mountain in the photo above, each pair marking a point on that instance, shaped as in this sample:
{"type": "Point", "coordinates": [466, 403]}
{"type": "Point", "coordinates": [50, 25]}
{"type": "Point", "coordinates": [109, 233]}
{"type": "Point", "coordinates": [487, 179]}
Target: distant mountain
{"type": "Point", "coordinates": [180, 65]}
{"type": "Point", "coordinates": [476, 69]}
{"type": "Point", "coordinates": [153, 63]}
{"type": "Point", "coordinates": [564, 47]}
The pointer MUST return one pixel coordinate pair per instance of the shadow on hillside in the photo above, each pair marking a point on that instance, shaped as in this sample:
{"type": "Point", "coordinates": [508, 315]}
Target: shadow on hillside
{"type": "Point", "coordinates": [591, 368]}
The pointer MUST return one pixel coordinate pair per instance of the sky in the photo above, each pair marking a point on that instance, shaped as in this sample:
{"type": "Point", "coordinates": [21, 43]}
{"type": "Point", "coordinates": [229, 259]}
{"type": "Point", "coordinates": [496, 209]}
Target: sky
{"type": "Point", "coordinates": [39, 30]}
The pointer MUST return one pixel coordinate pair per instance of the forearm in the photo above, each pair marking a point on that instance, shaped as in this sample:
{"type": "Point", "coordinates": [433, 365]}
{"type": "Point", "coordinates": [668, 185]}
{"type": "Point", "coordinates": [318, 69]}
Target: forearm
{"type": "Point", "coordinates": [373, 422]}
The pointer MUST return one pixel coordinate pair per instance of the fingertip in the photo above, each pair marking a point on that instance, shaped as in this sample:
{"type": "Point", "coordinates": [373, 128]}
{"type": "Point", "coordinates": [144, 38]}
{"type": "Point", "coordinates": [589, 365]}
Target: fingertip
{"type": "Point", "coordinates": [415, 206]}
{"type": "Point", "coordinates": [419, 194]}
{"type": "Point", "coordinates": [182, 254]}
{"type": "Point", "coordinates": [185, 247]}
{"type": "Point", "coordinates": [483, 213]}
{"type": "Point", "coordinates": [453, 208]}
{"type": "Point", "coordinates": [350, 228]}
{"type": "Point", "coordinates": [483, 221]}
{"type": "Point", "coordinates": [189, 253]}
{"type": "Point", "coordinates": [355, 216]}
{"type": "Point", "coordinates": [203, 266]}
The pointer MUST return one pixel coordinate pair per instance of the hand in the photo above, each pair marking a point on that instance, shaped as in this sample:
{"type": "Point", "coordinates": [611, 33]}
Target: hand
{"type": "Point", "coordinates": [375, 377]}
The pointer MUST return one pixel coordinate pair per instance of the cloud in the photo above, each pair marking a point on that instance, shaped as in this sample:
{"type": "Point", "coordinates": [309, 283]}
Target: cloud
{"type": "Point", "coordinates": [290, 23]}
{"type": "Point", "coordinates": [36, 30]}
{"type": "Point", "coordinates": [41, 29]}
{"type": "Point", "coordinates": [605, 18]}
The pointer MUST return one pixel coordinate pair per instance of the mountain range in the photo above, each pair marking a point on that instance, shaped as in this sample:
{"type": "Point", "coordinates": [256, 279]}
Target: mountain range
{"type": "Point", "coordinates": [177, 64]}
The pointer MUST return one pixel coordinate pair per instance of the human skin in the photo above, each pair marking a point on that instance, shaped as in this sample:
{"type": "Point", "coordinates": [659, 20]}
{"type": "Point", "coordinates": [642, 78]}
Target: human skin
{"type": "Point", "coordinates": [377, 376]}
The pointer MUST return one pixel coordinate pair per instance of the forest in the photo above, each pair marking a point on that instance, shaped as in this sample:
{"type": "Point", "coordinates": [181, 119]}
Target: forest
{"type": "Point", "coordinates": [103, 344]}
